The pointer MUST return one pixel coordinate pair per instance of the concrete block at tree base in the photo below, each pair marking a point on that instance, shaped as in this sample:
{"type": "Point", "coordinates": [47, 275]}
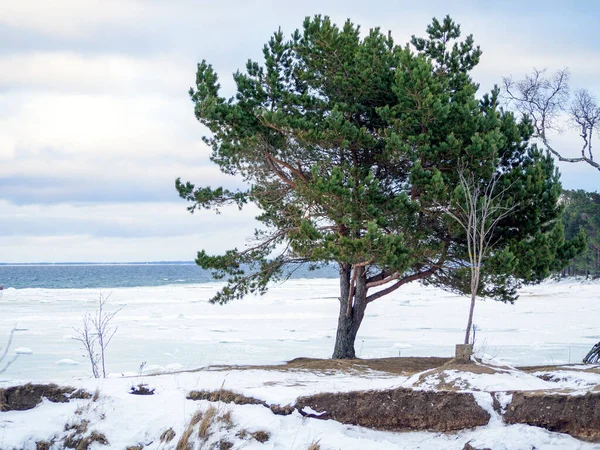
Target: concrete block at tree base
{"type": "Point", "coordinates": [463, 353]}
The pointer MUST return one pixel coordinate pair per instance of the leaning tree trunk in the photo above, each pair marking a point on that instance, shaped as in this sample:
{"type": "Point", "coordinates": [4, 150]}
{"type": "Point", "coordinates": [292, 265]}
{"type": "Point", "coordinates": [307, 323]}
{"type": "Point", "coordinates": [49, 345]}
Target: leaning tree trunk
{"type": "Point", "coordinates": [352, 310]}
{"type": "Point", "coordinates": [475, 272]}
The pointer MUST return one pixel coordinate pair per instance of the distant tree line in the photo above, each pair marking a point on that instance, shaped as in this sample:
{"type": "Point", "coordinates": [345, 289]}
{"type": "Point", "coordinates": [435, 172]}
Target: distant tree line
{"type": "Point", "coordinates": [582, 212]}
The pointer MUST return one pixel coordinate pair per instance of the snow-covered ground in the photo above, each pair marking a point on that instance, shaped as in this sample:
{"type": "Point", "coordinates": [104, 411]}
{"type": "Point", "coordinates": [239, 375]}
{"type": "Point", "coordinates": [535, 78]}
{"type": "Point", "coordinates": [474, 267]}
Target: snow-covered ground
{"type": "Point", "coordinates": [174, 327]}
{"type": "Point", "coordinates": [127, 420]}
{"type": "Point", "coordinates": [171, 328]}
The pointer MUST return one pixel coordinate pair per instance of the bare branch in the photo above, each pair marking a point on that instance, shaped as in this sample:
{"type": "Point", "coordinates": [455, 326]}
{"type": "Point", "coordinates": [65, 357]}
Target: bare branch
{"type": "Point", "coordinates": [545, 99]}
{"type": "Point", "coordinates": [8, 363]}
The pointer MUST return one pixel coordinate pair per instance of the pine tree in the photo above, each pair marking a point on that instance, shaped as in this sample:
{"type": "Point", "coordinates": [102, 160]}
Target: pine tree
{"type": "Point", "coordinates": [582, 215]}
{"type": "Point", "coordinates": [350, 147]}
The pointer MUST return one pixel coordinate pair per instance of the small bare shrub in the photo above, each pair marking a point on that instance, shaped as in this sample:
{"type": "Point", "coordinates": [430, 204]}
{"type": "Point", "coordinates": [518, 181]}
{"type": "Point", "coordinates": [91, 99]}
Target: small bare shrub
{"type": "Point", "coordinates": [97, 330]}
{"type": "Point", "coordinates": [141, 389]}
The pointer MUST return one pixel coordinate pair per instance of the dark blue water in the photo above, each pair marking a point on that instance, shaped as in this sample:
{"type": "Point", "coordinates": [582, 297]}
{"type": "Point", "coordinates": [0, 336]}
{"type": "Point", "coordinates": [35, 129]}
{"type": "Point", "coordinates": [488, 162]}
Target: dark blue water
{"type": "Point", "coordinates": [78, 276]}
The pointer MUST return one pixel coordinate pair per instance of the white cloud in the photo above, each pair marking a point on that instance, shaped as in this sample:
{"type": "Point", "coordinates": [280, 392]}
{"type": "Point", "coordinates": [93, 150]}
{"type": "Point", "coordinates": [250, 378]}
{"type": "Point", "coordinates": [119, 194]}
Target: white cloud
{"type": "Point", "coordinates": [95, 121]}
{"type": "Point", "coordinates": [68, 71]}
{"type": "Point", "coordinates": [72, 18]}
{"type": "Point", "coordinates": [117, 232]}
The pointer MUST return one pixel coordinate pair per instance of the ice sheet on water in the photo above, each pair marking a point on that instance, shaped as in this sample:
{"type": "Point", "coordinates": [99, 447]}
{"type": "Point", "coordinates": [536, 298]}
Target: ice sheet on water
{"type": "Point", "coordinates": [428, 326]}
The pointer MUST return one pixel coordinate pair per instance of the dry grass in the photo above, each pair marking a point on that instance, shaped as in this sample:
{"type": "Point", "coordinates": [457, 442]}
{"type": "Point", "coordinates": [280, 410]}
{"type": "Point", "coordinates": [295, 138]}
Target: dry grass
{"type": "Point", "coordinates": [167, 435]}
{"type": "Point", "coordinates": [401, 365]}
{"type": "Point", "coordinates": [200, 427]}
{"type": "Point", "coordinates": [184, 440]}
{"type": "Point", "coordinates": [261, 436]}
{"type": "Point", "coordinates": [224, 395]}
{"type": "Point", "coordinates": [226, 420]}
{"type": "Point", "coordinates": [80, 442]}
{"type": "Point", "coordinates": [78, 427]}
{"type": "Point", "coordinates": [206, 423]}
{"type": "Point", "coordinates": [314, 446]}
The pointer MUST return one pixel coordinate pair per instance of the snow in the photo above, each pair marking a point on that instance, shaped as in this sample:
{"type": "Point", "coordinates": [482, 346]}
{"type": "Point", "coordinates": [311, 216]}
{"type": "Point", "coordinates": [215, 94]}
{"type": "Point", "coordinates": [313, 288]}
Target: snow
{"type": "Point", "coordinates": [164, 330]}
{"type": "Point", "coordinates": [146, 417]}
{"type": "Point", "coordinates": [503, 381]}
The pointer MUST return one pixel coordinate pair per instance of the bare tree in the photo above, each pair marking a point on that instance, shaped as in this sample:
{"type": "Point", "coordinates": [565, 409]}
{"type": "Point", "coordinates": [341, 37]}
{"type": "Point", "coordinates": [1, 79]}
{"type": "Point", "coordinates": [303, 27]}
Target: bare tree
{"type": "Point", "coordinates": [97, 329]}
{"type": "Point", "coordinates": [547, 101]}
{"type": "Point", "coordinates": [479, 209]}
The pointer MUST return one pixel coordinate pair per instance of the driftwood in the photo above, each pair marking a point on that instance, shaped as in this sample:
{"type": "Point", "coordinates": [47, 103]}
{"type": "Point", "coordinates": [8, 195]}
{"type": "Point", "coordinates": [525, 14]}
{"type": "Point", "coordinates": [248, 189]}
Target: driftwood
{"type": "Point", "coordinates": [593, 356]}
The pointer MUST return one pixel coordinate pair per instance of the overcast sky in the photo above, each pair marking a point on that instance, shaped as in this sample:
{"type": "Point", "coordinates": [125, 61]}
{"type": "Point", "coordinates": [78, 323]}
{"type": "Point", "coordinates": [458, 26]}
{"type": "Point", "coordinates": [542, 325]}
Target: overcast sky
{"type": "Point", "coordinates": [96, 123]}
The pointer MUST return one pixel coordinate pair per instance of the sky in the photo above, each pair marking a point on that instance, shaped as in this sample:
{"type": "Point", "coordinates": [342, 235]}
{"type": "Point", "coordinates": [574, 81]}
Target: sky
{"type": "Point", "coordinates": [96, 123]}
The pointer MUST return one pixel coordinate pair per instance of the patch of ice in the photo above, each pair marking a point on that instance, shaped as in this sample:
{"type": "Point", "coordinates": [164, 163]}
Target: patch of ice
{"type": "Point", "coordinates": [67, 362]}
{"type": "Point", "coordinates": [401, 345]}
{"type": "Point", "coordinates": [23, 351]}
{"type": "Point", "coordinates": [152, 369]}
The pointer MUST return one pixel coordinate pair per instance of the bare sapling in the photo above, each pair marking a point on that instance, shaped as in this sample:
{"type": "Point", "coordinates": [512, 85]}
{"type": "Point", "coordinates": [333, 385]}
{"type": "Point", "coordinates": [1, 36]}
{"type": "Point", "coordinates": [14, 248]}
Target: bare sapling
{"type": "Point", "coordinates": [88, 339]}
{"type": "Point", "coordinates": [479, 209]}
{"type": "Point", "coordinates": [96, 334]}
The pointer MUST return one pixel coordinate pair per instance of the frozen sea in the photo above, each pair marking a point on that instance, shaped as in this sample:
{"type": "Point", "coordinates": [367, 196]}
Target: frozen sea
{"type": "Point", "coordinates": [169, 325]}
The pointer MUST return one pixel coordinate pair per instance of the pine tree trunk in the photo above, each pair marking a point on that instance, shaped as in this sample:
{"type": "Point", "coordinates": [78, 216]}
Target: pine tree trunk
{"type": "Point", "coordinates": [349, 320]}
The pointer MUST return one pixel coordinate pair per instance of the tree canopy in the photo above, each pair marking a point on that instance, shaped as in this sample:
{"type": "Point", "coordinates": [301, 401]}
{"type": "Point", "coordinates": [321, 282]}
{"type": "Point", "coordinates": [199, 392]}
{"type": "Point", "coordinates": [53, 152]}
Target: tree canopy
{"type": "Point", "coordinates": [349, 145]}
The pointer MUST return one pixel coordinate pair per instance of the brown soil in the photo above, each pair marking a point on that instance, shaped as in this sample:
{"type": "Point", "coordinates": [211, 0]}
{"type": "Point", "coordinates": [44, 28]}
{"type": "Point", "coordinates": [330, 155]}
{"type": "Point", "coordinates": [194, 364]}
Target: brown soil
{"type": "Point", "coordinates": [400, 365]}
{"type": "Point", "coordinates": [28, 396]}
{"type": "Point", "coordinates": [399, 409]}
{"type": "Point", "coordinates": [591, 369]}
{"type": "Point", "coordinates": [577, 415]}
